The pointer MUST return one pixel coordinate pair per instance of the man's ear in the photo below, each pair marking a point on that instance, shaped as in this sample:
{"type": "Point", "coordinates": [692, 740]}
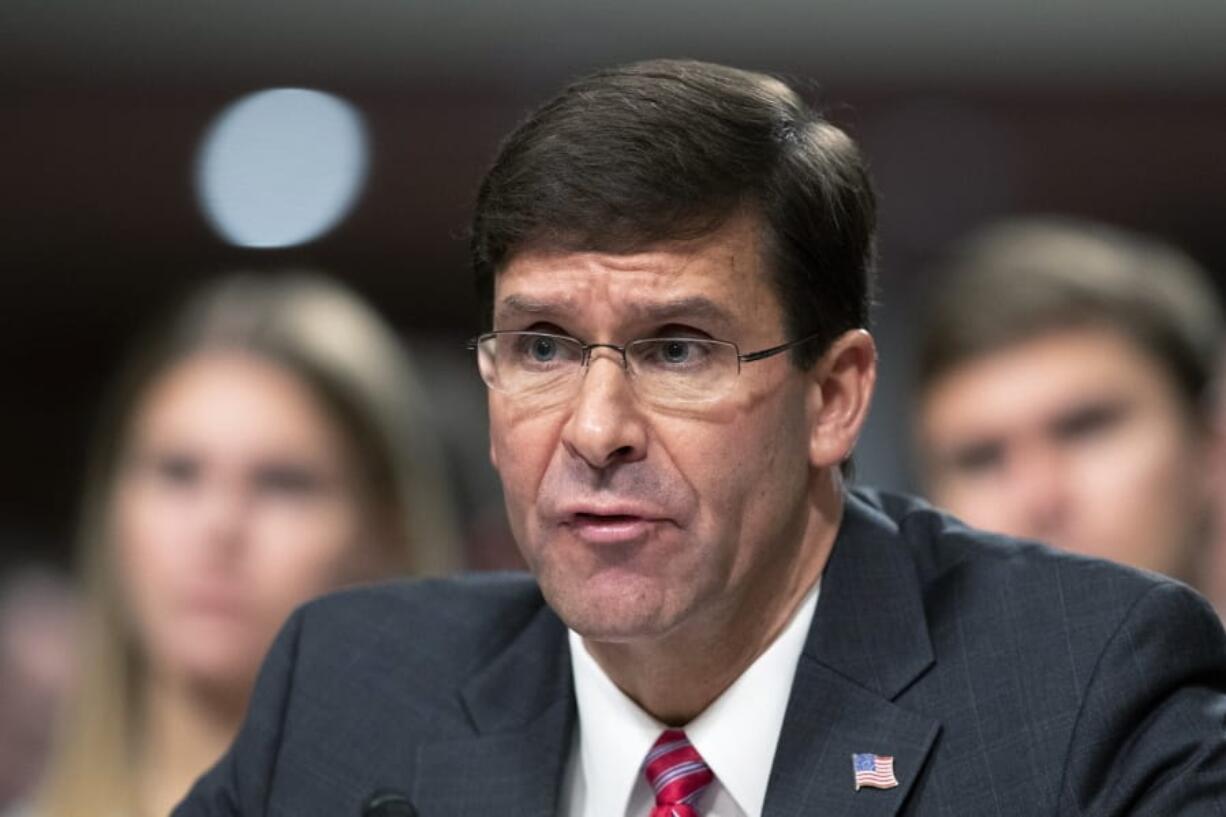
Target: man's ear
{"type": "Point", "coordinates": [493, 454]}
{"type": "Point", "coordinates": [839, 392]}
{"type": "Point", "coordinates": [491, 411]}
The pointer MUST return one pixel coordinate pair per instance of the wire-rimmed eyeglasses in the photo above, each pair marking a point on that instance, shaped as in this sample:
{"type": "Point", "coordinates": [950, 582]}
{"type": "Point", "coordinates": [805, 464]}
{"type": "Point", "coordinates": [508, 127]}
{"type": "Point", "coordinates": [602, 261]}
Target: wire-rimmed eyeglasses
{"type": "Point", "coordinates": [665, 371]}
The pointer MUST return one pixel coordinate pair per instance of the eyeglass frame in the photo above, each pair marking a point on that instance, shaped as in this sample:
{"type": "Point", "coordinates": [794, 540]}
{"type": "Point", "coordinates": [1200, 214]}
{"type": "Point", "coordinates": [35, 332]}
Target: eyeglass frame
{"type": "Point", "coordinates": [585, 349]}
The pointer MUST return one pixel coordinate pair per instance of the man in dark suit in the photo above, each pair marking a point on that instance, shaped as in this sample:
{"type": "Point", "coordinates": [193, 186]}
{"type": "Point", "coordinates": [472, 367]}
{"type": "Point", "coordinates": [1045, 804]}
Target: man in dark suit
{"type": "Point", "coordinates": [676, 258]}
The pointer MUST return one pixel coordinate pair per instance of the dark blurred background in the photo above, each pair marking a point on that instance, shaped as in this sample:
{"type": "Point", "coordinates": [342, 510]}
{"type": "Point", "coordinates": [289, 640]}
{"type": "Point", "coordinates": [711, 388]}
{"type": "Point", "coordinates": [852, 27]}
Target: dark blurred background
{"type": "Point", "coordinates": [967, 110]}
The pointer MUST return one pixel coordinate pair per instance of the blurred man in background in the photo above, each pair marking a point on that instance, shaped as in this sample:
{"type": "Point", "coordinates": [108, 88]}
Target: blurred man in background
{"type": "Point", "coordinates": [1062, 392]}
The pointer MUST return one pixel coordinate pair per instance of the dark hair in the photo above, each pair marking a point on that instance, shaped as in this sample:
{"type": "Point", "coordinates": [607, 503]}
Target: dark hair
{"type": "Point", "coordinates": [671, 149]}
{"type": "Point", "coordinates": [1021, 278]}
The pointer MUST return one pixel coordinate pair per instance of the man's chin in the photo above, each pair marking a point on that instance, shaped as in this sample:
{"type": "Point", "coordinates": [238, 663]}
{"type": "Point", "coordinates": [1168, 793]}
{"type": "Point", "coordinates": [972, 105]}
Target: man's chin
{"type": "Point", "coordinates": [618, 632]}
{"type": "Point", "coordinates": [612, 612]}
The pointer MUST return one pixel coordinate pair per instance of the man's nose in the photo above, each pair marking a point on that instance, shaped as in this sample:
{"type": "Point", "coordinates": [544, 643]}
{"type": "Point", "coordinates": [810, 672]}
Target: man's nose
{"type": "Point", "coordinates": [1042, 495]}
{"type": "Point", "coordinates": [606, 425]}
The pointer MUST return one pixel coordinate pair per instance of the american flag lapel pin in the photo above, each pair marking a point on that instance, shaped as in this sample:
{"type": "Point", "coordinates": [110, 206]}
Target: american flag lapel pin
{"type": "Point", "coordinates": [873, 771]}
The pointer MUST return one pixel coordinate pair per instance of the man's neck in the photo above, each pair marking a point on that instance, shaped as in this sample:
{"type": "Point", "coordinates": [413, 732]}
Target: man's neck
{"type": "Point", "coordinates": [676, 677]}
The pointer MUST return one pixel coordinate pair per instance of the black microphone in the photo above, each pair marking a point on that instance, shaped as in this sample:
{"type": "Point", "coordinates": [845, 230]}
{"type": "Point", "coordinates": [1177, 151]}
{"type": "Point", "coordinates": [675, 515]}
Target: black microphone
{"type": "Point", "coordinates": [388, 804]}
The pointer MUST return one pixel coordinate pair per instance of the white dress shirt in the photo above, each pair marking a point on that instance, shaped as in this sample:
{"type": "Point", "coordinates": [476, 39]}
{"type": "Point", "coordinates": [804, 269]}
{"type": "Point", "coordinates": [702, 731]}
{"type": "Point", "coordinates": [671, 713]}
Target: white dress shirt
{"type": "Point", "coordinates": [736, 735]}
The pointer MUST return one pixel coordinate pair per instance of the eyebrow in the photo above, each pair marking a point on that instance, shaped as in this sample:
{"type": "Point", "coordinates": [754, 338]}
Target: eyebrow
{"type": "Point", "coordinates": [524, 305]}
{"type": "Point", "coordinates": [693, 307]}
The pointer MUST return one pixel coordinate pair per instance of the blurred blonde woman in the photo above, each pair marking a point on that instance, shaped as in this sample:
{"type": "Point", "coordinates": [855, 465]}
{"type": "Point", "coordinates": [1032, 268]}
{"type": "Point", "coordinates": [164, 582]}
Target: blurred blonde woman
{"type": "Point", "coordinates": [270, 445]}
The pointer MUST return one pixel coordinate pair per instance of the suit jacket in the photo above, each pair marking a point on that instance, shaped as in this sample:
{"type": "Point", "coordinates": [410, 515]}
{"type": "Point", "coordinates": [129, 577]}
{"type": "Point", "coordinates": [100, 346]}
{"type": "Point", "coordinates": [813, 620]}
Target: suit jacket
{"type": "Point", "coordinates": [1004, 678]}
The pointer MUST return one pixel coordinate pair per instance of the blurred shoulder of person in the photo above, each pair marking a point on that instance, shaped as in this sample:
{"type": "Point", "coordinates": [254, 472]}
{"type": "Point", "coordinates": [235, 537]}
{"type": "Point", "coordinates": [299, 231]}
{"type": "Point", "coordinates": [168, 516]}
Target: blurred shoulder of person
{"type": "Point", "coordinates": [1062, 391]}
{"type": "Point", "coordinates": [39, 613]}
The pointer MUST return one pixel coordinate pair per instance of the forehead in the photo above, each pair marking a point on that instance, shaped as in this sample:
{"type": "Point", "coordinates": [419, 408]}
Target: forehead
{"type": "Point", "coordinates": [718, 279]}
{"type": "Point", "coordinates": [1036, 381]}
{"type": "Point", "coordinates": [231, 400]}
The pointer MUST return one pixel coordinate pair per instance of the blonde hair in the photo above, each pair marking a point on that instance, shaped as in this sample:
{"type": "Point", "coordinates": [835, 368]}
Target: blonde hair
{"type": "Point", "coordinates": [351, 360]}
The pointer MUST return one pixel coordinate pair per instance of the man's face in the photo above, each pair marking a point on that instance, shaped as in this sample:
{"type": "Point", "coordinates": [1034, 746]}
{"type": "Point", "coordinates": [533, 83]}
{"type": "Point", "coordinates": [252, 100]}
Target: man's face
{"type": "Point", "coordinates": [1075, 437]}
{"type": "Point", "coordinates": [637, 520]}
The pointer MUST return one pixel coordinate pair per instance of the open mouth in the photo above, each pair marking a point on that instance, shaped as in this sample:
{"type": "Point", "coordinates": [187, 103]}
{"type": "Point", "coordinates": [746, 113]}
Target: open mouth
{"type": "Point", "coordinates": [610, 528]}
{"type": "Point", "coordinates": [584, 518]}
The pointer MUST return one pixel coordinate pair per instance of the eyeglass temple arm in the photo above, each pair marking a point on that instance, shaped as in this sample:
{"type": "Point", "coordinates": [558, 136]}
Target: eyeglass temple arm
{"type": "Point", "coordinates": [750, 357]}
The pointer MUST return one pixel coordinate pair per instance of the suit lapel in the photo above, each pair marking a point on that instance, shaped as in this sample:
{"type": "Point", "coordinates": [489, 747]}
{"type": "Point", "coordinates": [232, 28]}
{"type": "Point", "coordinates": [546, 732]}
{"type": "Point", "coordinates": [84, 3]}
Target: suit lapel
{"type": "Point", "coordinates": [869, 641]}
{"type": "Point", "coordinates": [522, 707]}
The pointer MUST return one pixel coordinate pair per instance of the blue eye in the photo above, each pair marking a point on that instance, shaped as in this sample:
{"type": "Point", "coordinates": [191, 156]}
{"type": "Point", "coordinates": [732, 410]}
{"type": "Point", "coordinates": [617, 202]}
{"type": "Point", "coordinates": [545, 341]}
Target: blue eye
{"type": "Point", "coordinates": [676, 351]}
{"type": "Point", "coordinates": [676, 355]}
{"type": "Point", "coordinates": [543, 349]}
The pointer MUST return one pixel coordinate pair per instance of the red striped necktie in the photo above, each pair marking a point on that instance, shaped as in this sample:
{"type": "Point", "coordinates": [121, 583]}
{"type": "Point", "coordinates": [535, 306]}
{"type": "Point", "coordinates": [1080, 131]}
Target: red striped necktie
{"type": "Point", "coordinates": [677, 773]}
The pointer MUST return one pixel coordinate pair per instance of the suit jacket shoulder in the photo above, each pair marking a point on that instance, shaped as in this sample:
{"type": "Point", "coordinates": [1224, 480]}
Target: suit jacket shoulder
{"type": "Point", "coordinates": [1052, 683]}
{"type": "Point", "coordinates": [359, 682]}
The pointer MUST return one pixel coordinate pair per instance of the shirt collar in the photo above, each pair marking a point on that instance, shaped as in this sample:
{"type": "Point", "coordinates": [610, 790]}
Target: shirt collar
{"type": "Point", "coordinates": [736, 734]}
{"type": "Point", "coordinates": [614, 733]}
